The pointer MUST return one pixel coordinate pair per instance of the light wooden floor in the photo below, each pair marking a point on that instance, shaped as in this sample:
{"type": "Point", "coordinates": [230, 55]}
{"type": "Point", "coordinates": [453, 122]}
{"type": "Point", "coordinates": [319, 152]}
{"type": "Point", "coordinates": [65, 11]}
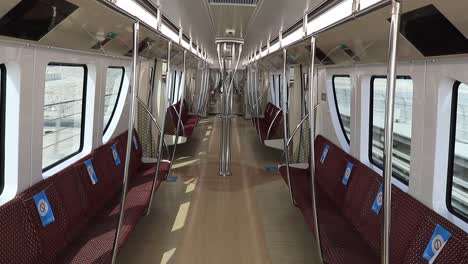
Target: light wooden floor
{"type": "Point", "coordinates": [204, 218]}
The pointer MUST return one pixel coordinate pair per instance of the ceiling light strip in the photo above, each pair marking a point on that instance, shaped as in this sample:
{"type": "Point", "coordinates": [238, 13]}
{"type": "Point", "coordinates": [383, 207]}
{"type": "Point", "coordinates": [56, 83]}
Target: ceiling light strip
{"type": "Point", "coordinates": [336, 14]}
{"type": "Point", "coordinates": [133, 8]}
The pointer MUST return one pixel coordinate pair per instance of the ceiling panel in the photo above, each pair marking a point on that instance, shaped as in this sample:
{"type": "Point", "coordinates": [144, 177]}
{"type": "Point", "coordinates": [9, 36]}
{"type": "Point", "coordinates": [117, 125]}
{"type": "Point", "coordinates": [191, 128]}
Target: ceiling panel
{"type": "Point", "coordinates": [194, 18]}
{"type": "Point", "coordinates": [274, 15]}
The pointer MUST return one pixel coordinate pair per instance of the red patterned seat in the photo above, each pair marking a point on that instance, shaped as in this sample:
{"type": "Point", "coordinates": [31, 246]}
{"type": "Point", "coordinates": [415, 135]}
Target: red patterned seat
{"type": "Point", "coordinates": [351, 231]}
{"type": "Point", "coordinates": [85, 215]}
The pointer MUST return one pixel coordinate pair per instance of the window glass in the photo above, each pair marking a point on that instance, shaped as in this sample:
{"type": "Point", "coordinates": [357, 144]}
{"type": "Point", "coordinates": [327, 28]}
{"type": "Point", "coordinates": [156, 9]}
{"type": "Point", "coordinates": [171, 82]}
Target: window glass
{"type": "Point", "coordinates": [276, 87]}
{"type": "Point", "coordinates": [458, 163]}
{"type": "Point", "coordinates": [342, 91]}
{"type": "Point", "coordinates": [2, 125]}
{"type": "Point", "coordinates": [64, 112]}
{"type": "Point", "coordinates": [401, 128]}
{"type": "Point", "coordinates": [114, 82]}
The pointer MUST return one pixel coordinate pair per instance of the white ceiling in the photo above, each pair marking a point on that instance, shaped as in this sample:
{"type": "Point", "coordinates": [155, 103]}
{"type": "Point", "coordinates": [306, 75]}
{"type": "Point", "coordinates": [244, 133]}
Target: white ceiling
{"type": "Point", "coordinates": [194, 18]}
{"type": "Point", "coordinates": [204, 26]}
{"type": "Point", "coordinates": [273, 16]}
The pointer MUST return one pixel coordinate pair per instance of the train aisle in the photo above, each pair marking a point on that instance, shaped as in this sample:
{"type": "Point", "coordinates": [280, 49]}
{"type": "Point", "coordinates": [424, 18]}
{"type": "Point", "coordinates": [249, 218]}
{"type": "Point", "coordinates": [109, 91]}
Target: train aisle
{"type": "Point", "coordinates": [203, 218]}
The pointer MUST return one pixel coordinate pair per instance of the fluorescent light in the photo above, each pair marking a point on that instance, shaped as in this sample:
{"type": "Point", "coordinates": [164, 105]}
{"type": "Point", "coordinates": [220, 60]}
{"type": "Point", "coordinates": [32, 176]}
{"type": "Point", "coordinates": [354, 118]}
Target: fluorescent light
{"type": "Point", "coordinates": [185, 44]}
{"type": "Point", "coordinates": [138, 11]}
{"type": "Point", "coordinates": [293, 37]}
{"type": "Point", "coordinates": [274, 47]}
{"type": "Point", "coordinates": [367, 3]}
{"type": "Point", "coordinates": [165, 30]}
{"type": "Point", "coordinates": [337, 13]}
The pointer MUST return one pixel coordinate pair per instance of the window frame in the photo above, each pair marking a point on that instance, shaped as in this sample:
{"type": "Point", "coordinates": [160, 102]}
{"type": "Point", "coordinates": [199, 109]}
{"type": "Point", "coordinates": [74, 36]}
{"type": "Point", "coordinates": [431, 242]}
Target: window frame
{"type": "Point", "coordinates": [451, 156]}
{"type": "Point", "coordinates": [3, 81]}
{"type": "Point", "coordinates": [83, 111]}
{"type": "Point", "coordinates": [371, 124]}
{"type": "Point", "coordinates": [337, 107]}
{"type": "Point", "coordinates": [118, 96]}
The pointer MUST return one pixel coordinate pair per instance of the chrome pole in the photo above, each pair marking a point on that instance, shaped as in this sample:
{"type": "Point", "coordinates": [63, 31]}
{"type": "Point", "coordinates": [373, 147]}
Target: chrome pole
{"type": "Point", "coordinates": [131, 118]}
{"type": "Point", "coordinates": [201, 91]}
{"type": "Point", "coordinates": [389, 115]}
{"type": "Point", "coordinates": [221, 153]}
{"type": "Point", "coordinates": [285, 126]}
{"type": "Point", "coordinates": [163, 125]}
{"type": "Point", "coordinates": [179, 121]}
{"type": "Point", "coordinates": [312, 146]}
{"type": "Point", "coordinates": [230, 93]}
{"type": "Point", "coordinates": [207, 90]}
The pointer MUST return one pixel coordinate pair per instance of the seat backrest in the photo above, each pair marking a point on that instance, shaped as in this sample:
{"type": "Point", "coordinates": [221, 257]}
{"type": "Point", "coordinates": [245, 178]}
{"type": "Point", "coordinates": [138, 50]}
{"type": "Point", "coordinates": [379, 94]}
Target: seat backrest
{"type": "Point", "coordinates": [412, 222]}
{"type": "Point", "coordinates": [19, 237]}
{"type": "Point", "coordinates": [51, 238]}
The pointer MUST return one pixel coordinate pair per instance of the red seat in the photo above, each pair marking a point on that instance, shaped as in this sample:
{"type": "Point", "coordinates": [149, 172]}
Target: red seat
{"type": "Point", "coordinates": [188, 122]}
{"type": "Point", "coordinates": [85, 215]}
{"type": "Point", "coordinates": [350, 230]}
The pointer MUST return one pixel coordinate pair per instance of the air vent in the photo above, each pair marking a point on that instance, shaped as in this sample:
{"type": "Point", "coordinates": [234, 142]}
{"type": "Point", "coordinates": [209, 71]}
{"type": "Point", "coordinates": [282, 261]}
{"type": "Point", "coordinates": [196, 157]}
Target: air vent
{"type": "Point", "coordinates": [144, 45]}
{"type": "Point", "coordinates": [234, 2]}
{"type": "Point", "coordinates": [322, 57]}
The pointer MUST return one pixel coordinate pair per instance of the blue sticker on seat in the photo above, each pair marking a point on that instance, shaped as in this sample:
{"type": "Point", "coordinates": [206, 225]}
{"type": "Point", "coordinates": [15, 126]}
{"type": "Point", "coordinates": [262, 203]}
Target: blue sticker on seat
{"type": "Point", "coordinates": [272, 169]}
{"type": "Point", "coordinates": [44, 209]}
{"type": "Point", "coordinates": [347, 173]}
{"type": "Point", "coordinates": [377, 205]}
{"type": "Point", "coordinates": [324, 153]}
{"type": "Point", "coordinates": [115, 154]}
{"type": "Point", "coordinates": [135, 142]}
{"type": "Point", "coordinates": [439, 238]}
{"type": "Point", "coordinates": [171, 179]}
{"type": "Point", "coordinates": [91, 172]}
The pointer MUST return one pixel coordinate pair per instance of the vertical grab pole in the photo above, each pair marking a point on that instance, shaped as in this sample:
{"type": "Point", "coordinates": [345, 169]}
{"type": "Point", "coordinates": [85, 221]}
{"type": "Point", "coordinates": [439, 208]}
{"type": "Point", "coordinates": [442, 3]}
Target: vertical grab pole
{"type": "Point", "coordinates": [389, 114]}
{"type": "Point", "coordinates": [131, 118]}
{"type": "Point", "coordinates": [285, 126]}
{"type": "Point", "coordinates": [179, 121]}
{"type": "Point", "coordinates": [163, 125]}
{"type": "Point", "coordinates": [312, 145]}
{"type": "Point", "coordinates": [201, 91]}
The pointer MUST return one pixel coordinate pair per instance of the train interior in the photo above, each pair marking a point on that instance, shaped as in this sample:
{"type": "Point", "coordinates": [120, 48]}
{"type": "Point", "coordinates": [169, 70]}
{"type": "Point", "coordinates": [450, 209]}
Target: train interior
{"type": "Point", "coordinates": [234, 131]}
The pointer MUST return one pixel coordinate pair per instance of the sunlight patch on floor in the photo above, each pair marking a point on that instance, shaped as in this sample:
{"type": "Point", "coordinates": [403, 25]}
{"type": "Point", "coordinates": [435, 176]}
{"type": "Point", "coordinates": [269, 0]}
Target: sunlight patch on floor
{"type": "Point", "coordinates": [181, 216]}
{"type": "Point", "coordinates": [191, 186]}
{"type": "Point", "coordinates": [186, 163]}
{"type": "Point", "coordinates": [167, 256]}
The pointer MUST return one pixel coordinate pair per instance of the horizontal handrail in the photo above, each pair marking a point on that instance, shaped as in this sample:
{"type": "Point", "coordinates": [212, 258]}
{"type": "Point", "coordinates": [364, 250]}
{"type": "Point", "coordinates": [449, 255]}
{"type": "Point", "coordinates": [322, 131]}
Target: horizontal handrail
{"type": "Point", "coordinates": [155, 122]}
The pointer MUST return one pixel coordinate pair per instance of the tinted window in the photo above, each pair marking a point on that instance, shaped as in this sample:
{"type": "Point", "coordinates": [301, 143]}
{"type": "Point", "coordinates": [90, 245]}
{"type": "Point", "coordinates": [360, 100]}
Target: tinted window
{"type": "Point", "coordinates": [342, 88]}
{"type": "Point", "coordinates": [2, 125]}
{"type": "Point", "coordinates": [276, 89]}
{"type": "Point", "coordinates": [432, 33]}
{"type": "Point", "coordinates": [114, 82]}
{"type": "Point", "coordinates": [457, 195]}
{"type": "Point", "coordinates": [33, 19]}
{"type": "Point", "coordinates": [401, 128]}
{"type": "Point", "coordinates": [64, 112]}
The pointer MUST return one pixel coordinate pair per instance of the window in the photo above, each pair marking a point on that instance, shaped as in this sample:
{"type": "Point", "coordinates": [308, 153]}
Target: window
{"type": "Point", "coordinates": [401, 128]}
{"type": "Point", "coordinates": [64, 112]}
{"type": "Point", "coordinates": [342, 88]}
{"type": "Point", "coordinates": [276, 87]}
{"type": "Point", "coordinates": [2, 125]}
{"type": "Point", "coordinates": [457, 187]}
{"type": "Point", "coordinates": [114, 82]}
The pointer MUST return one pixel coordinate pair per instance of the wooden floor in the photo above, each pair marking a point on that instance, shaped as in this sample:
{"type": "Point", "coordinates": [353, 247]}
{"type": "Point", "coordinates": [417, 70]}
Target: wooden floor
{"type": "Point", "coordinates": [204, 218]}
